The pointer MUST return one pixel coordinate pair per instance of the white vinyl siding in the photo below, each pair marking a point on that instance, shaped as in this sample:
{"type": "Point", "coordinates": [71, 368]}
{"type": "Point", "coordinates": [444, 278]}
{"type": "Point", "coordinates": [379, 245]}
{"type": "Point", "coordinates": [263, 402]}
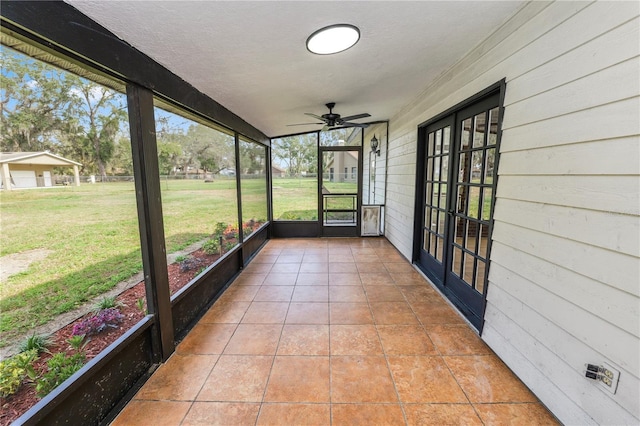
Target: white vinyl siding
{"type": "Point", "coordinates": [564, 283]}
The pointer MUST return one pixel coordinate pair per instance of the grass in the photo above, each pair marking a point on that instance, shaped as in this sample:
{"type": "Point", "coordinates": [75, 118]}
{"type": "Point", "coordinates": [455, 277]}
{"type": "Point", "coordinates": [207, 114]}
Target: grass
{"type": "Point", "coordinates": [92, 233]}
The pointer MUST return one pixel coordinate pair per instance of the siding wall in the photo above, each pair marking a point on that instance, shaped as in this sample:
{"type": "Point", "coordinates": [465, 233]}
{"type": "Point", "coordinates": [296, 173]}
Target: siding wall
{"type": "Point", "coordinates": [565, 265]}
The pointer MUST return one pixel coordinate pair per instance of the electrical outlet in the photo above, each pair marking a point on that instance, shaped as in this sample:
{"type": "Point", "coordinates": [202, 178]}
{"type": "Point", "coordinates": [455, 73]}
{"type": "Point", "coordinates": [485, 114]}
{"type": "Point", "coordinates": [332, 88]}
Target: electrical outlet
{"type": "Point", "coordinates": [604, 374]}
{"type": "Point", "coordinates": [609, 377]}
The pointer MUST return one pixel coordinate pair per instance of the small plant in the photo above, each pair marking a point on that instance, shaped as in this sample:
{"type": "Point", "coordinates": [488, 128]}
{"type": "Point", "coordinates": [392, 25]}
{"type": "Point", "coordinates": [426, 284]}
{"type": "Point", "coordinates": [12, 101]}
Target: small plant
{"type": "Point", "coordinates": [37, 342]}
{"type": "Point", "coordinates": [107, 302]}
{"type": "Point", "coordinates": [98, 322]}
{"type": "Point", "coordinates": [219, 229]}
{"type": "Point", "coordinates": [228, 246]}
{"type": "Point", "coordinates": [140, 305]}
{"type": "Point", "coordinates": [212, 246]}
{"type": "Point", "coordinates": [77, 342]}
{"type": "Point", "coordinates": [60, 367]}
{"type": "Point", "coordinates": [13, 371]}
{"type": "Point", "coordinates": [181, 258]}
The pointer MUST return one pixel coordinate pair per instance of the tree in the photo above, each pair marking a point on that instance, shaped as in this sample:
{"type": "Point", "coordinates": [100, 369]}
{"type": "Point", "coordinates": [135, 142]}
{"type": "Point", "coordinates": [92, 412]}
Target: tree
{"type": "Point", "coordinates": [33, 97]}
{"type": "Point", "coordinates": [298, 153]}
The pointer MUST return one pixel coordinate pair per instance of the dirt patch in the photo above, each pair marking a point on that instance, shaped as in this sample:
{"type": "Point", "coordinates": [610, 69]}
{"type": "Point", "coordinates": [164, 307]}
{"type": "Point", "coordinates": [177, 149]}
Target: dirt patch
{"type": "Point", "coordinates": [19, 262]}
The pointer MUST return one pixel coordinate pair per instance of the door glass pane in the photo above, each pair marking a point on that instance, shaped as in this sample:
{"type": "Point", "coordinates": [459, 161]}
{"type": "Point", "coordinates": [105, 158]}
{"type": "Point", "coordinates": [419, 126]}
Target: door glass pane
{"type": "Point", "coordinates": [446, 135]}
{"type": "Point", "coordinates": [436, 195]}
{"type": "Point", "coordinates": [464, 168]}
{"type": "Point", "coordinates": [474, 201]}
{"type": "Point", "coordinates": [476, 166]}
{"type": "Point", "coordinates": [487, 196]}
{"type": "Point", "coordinates": [427, 217]}
{"type": "Point", "coordinates": [461, 196]}
{"type": "Point", "coordinates": [444, 164]}
{"type": "Point", "coordinates": [429, 175]}
{"type": "Point", "coordinates": [436, 168]}
{"type": "Point", "coordinates": [459, 231]}
{"type": "Point", "coordinates": [455, 262]}
{"type": "Point", "coordinates": [441, 223]}
{"type": "Point", "coordinates": [479, 280]}
{"type": "Point", "coordinates": [493, 129]}
{"type": "Point", "coordinates": [480, 126]}
{"type": "Point", "coordinates": [440, 249]}
{"type": "Point", "coordinates": [438, 144]}
{"type": "Point", "coordinates": [443, 196]}
{"type": "Point", "coordinates": [489, 165]}
{"type": "Point", "coordinates": [483, 235]}
{"type": "Point", "coordinates": [432, 245]}
{"type": "Point", "coordinates": [430, 144]}
{"type": "Point", "coordinates": [428, 192]}
{"type": "Point", "coordinates": [465, 137]}
{"type": "Point", "coordinates": [425, 244]}
{"type": "Point", "coordinates": [467, 271]}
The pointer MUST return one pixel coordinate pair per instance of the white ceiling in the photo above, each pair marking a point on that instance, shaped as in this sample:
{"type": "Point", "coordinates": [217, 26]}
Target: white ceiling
{"type": "Point", "coordinates": [251, 56]}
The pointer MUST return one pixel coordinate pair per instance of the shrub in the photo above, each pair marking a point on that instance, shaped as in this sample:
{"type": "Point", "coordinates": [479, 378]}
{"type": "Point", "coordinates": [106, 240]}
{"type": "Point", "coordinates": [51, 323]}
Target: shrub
{"type": "Point", "coordinates": [37, 342]}
{"type": "Point", "coordinates": [98, 322]}
{"type": "Point", "coordinates": [181, 258]}
{"type": "Point", "coordinates": [13, 371]}
{"type": "Point", "coordinates": [212, 246]}
{"type": "Point", "coordinates": [60, 368]}
{"type": "Point", "coordinates": [219, 229]}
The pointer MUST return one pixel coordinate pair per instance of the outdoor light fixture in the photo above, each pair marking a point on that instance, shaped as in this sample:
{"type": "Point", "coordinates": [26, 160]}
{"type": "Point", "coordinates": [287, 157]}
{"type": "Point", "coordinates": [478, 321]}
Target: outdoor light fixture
{"type": "Point", "coordinates": [333, 39]}
{"type": "Point", "coordinates": [374, 145]}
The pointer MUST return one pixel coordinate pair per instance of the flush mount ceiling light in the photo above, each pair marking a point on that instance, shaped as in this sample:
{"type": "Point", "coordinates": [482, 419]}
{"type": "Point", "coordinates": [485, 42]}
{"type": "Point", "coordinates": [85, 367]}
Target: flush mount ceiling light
{"type": "Point", "coordinates": [333, 39]}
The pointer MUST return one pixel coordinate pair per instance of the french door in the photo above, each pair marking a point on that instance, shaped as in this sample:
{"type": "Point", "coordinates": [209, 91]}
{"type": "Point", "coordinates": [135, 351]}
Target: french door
{"type": "Point", "coordinates": [457, 180]}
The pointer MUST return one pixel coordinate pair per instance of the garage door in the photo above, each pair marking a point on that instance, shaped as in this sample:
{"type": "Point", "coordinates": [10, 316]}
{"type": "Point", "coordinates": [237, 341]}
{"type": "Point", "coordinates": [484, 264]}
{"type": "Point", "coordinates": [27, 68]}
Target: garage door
{"type": "Point", "coordinates": [24, 178]}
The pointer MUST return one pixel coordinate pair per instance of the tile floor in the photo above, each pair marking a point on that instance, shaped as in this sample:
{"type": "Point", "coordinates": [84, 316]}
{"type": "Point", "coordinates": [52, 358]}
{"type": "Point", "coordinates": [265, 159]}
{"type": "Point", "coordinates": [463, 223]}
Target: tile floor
{"type": "Point", "coordinates": [332, 332]}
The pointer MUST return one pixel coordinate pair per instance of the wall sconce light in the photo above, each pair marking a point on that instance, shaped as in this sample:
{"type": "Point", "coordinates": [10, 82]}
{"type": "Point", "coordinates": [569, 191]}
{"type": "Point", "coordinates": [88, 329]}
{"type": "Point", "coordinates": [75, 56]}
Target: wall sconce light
{"type": "Point", "coordinates": [374, 145]}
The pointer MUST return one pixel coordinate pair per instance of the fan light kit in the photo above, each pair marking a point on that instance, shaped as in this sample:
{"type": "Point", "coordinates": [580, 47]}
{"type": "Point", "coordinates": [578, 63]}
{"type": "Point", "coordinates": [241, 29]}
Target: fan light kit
{"type": "Point", "coordinates": [333, 39]}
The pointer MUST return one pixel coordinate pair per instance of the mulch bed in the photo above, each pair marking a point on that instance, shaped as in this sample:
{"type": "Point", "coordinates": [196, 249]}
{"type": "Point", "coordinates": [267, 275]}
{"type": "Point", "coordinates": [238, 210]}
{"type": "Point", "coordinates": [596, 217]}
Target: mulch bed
{"type": "Point", "coordinates": [180, 274]}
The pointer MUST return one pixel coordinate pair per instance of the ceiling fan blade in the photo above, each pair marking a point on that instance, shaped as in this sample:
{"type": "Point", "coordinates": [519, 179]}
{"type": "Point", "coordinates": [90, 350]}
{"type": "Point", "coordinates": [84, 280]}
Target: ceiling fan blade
{"type": "Point", "coordinates": [314, 116]}
{"type": "Point", "coordinates": [303, 124]}
{"type": "Point", "coordinates": [347, 124]}
{"type": "Point", "coordinates": [355, 117]}
{"type": "Point", "coordinates": [325, 128]}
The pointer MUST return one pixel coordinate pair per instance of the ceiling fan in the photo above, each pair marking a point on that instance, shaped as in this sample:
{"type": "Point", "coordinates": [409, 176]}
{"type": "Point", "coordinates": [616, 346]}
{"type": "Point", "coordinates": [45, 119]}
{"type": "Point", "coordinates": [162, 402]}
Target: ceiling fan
{"type": "Point", "coordinates": [331, 119]}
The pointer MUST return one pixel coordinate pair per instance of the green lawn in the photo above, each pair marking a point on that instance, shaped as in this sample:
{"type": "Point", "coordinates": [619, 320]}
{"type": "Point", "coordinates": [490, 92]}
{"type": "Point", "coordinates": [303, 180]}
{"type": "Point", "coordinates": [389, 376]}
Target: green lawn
{"type": "Point", "coordinates": [92, 233]}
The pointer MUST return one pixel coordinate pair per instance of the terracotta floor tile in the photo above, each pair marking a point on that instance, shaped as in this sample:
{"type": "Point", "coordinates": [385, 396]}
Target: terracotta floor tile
{"type": "Point", "coordinates": [308, 293]}
{"type": "Point", "coordinates": [384, 293]}
{"type": "Point", "coordinates": [347, 293]}
{"type": "Point", "coordinates": [250, 279]}
{"type": "Point", "coordinates": [179, 379]}
{"type": "Point", "coordinates": [144, 413]}
{"type": "Point", "coordinates": [265, 258]}
{"type": "Point", "coordinates": [367, 414]}
{"type": "Point", "coordinates": [393, 313]}
{"type": "Point", "coordinates": [370, 267]}
{"type": "Point", "coordinates": [405, 340]}
{"type": "Point", "coordinates": [412, 278]}
{"type": "Point", "coordinates": [485, 378]}
{"type": "Point", "coordinates": [304, 340]}
{"type": "Point", "coordinates": [237, 378]}
{"type": "Point", "coordinates": [361, 379]}
{"type": "Point", "coordinates": [531, 414]}
{"type": "Point", "coordinates": [266, 313]}
{"type": "Point", "coordinates": [382, 278]}
{"type": "Point", "coordinates": [239, 293]}
{"type": "Point", "coordinates": [258, 268]}
{"type": "Point", "coordinates": [421, 294]}
{"type": "Point", "coordinates": [368, 258]}
{"type": "Point", "coordinates": [308, 313]}
{"type": "Point", "coordinates": [355, 340]}
{"type": "Point", "coordinates": [456, 339]}
{"type": "Point", "coordinates": [342, 268]}
{"type": "Point", "coordinates": [424, 379]}
{"type": "Point", "coordinates": [254, 339]}
{"type": "Point", "coordinates": [285, 268]}
{"type": "Point", "coordinates": [315, 257]}
{"type": "Point", "coordinates": [350, 313]}
{"type": "Point", "coordinates": [398, 267]}
{"type": "Point", "coordinates": [206, 339]}
{"type": "Point", "coordinates": [341, 257]}
{"type": "Point", "coordinates": [299, 379]}
{"type": "Point", "coordinates": [391, 255]}
{"type": "Point", "coordinates": [363, 251]}
{"type": "Point", "coordinates": [312, 278]}
{"type": "Point", "coordinates": [441, 414]}
{"type": "Point", "coordinates": [222, 413]}
{"type": "Point", "coordinates": [340, 249]}
{"type": "Point", "coordinates": [431, 312]}
{"type": "Point", "coordinates": [289, 258]}
{"type": "Point", "coordinates": [278, 414]}
{"type": "Point", "coordinates": [280, 278]}
{"type": "Point", "coordinates": [274, 293]}
{"type": "Point", "coordinates": [320, 249]}
{"type": "Point", "coordinates": [344, 279]}
{"type": "Point", "coordinates": [229, 312]}
{"type": "Point", "coordinates": [314, 268]}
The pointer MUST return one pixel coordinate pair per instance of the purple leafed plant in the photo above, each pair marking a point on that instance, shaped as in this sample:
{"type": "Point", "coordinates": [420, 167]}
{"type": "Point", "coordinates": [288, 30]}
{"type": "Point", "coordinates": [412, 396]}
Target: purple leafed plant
{"type": "Point", "coordinates": [95, 324]}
